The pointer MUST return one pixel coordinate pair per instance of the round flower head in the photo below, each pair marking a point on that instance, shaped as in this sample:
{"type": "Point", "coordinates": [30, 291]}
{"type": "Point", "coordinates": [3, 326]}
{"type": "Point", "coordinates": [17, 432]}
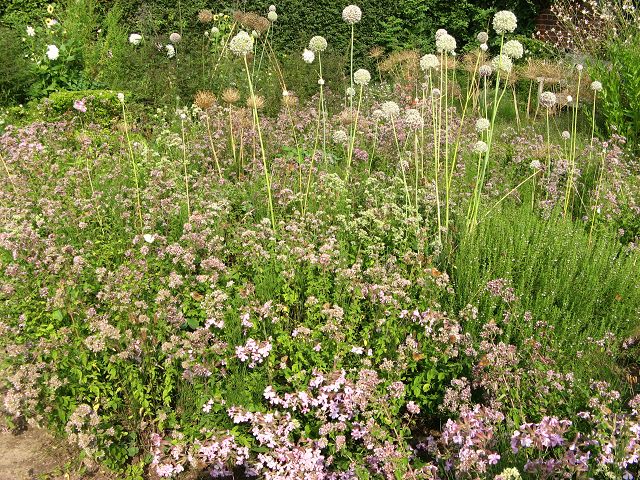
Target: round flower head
{"type": "Point", "coordinates": [484, 47]}
{"type": "Point", "coordinates": [440, 32]}
{"type": "Point", "coordinates": [175, 38]}
{"type": "Point", "coordinates": [171, 51]}
{"type": "Point", "coordinates": [205, 16]}
{"type": "Point", "coordinates": [351, 14]}
{"type": "Point", "coordinates": [321, 81]}
{"type": "Point", "coordinates": [318, 44]}
{"type": "Point", "coordinates": [483, 37]}
{"type": "Point", "coordinates": [272, 8]}
{"type": "Point", "coordinates": [445, 43]}
{"type": "Point", "coordinates": [350, 92]}
{"type": "Point", "coordinates": [377, 114]}
{"type": "Point", "coordinates": [390, 109]}
{"type": "Point", "coordinates": [569, 99]}
{"type": "Point", "coordinates": [548, 99]}
{"type": "Point", "coordinates": [428, 62]}
{"type": "Point", "coordinates": [503, 63]}
{"type": "Point", "coordinates": [120, 97]}
{"type": "Point", "coordinates": [308, 56]}
{"type": "Point", "coordinates": [482, 124]}
{"type": "Point", "coordinates": [361, 77]}
{"type": "Point", "coordinates": [513, 49]}
{"type": "Point", "coordinates": [504, 22]}
{"type": "Point", "coordinates": [480, 147]}
{"type": "Point", "coordinates": [413, 119]}
{"type": "Point", "coordinates": [241, 44]}
{"type": "Point", "coordinates": [485, 70]}
{"type": "Point", "coordinates": [566, 135]}
{"type": "Point", "coordinates": [231, 95]}
{"type": "Point", "coordinates": [435, 93]}
{"type": "Point", "coordinates": [535, 165]}
{"type": "Point", "coordinates": [272, 16]}
{"type": "Point", "coordinates": [596, 86]}
{"type": "Point", "coordinates": [135, 39]}
{"type": "Point", "coordinates": [215, 30]}
{"type": "Point", "coordinates": [31, 32]}
{"type": "Point", "coordinates": [340, 136]}
{"type": "Point", "coordinates": [579, 67]}
{"type": "Point", "coordinates": [52, 52]}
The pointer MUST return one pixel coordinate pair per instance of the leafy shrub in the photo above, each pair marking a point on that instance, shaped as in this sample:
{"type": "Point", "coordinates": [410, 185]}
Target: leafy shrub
{"type": "Point", "coordinates": [16, 74]}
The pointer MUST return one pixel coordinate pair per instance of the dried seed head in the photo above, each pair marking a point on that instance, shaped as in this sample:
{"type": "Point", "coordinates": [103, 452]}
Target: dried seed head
{"type": "Point", "coordinates": [231, 95]}
{"type": "Point", "coordinates": [205, 16]}
{"type": "Point", "coordinates": [205, 99]}
{"type": "Point", "coordinates": [255, 101]}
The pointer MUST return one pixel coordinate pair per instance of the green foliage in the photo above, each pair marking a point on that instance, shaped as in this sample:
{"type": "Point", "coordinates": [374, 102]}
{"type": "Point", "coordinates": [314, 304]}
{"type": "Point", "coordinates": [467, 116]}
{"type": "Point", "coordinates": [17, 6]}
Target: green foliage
{"type": "Point", "coordinates": [16, 74]}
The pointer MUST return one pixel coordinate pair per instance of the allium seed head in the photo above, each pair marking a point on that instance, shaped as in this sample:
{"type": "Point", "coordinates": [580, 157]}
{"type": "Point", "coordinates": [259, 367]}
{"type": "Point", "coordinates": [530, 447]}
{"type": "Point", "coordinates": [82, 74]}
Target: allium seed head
{"type": "Point", "coordinates": [340, 137]}
{"type": "Point", "coordinates": [318, 44]}
{"type": "Point", "coordinates": [361, 77]}
{"type": "Point", "coordinates": [596, 86]}
{"type": "Point", "coordinates": [308, 56]}
{"type": "Point", "coordinates": [548, 99]}
{"type": "Point", "coordinates": [445, 43]}
{"type": "Point", "coordinates": [428, 62]}
{"type": "Point", "coordinates": [482, 124]}
{"type": "Point", "coordinates": [205, 16]}
{"type": "Point", "coordinates": [390, 109]}
{"type": "Point", "coordinates": [351, 14]}
{"type": "Point", "coordinates": [255, 101]}
{"type": "Point", "coordinates": [480, 147]}
{"type": "Point", "coordinates": [513, 49]}
{"type": "Point", "coordinates": [231, 95]}
{"type": "Point", "coordinates": [204, 99]}
{"type": "Point", "coordinates": [413, 119]}
{"type": "Point", "coordinates": [241, 44]}
{"type": "Point", "coordinates": [175, 38]}
{"type": "Point", "coordinates": [483, 37]}
{"type": "Point", "coordinates": [503, 63]}
{"type": "Point", "coordinates": [504, 22]}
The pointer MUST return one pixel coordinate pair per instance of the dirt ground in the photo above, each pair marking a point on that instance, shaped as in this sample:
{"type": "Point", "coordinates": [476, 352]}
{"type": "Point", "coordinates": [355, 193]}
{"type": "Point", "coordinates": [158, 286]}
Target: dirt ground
{"type": "Point", "coordinates": [35, 455]}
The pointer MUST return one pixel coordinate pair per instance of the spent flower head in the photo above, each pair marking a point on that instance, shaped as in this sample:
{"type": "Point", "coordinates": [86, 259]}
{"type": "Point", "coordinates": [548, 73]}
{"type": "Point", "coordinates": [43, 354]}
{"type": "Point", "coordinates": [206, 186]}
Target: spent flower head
{"type": "Point", "coordinates": [548, 99]}
{"type": "Point", "coordinates": [504, 22]}
{"type": "Point", "coordinates": [318, 44]}
{"type": "Point", "coordinates": [429, 61]}
{"type": "Point", "coordinates": [513, 49]}
{"type": "Point", "coordinates": [361, 77]}
{"type": "Point", "coordinates": [351, 14]}
{"type": "Point", "coordinates": [241, 44]}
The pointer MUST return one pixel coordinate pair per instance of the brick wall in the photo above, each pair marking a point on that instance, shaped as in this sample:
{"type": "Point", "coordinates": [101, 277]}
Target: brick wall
{"type": "Point", "coordinates": [547, 27]}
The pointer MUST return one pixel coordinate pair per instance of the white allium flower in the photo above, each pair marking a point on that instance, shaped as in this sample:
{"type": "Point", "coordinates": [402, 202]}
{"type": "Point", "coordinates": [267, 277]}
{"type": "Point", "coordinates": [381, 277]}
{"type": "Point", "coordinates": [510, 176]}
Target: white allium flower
{"type": "Point", "coordinates": [440, 32]}
{"type": "Point", "coordinates": [484, 47]}
{"type": "Point", "coordinates": [566, 135]}
{"type": "Point", "coordinates": [215, 30]}
{"type": "Point", "coordinates": [429, 61]}
{"type": "Point", "coordinates": [579, 67]}
{"type": "Point", "coordinates": [361, 77]}
{"type": "Point", "coordinates": [483, 37]}
{"type": "Point", "coordinates": [318, 44]}
{"type": "Point", "coordinates": [390, 109]}
{"type": "Point", "coordinates": [535, 165]}
{"type": "Point", "coordinates": [377, 114]}
{"type": "Point", "coordinates": [255, 33]}
{"type": "Point", "coordinates": [340, 136]}
{"type": "Point", "coordinates": [31, 32]}
{"type": "Point", "coordinates": [513, 49]}
{"type": "Point", "coordinates": [548, 99]}
{"type": "Point", "coordinates": [135, 39]}
{"type": "Point", "coordinates": [502, 62]}
{"type": "Point", "coordinates": [171, 51]}
{"type": "Point", "coordinates": [445, 43]}
{"type": "Point", "coordinates": [175, 37]}
{"type": "Point", "coordinates": [352, 14]}
{"type": "Point", "coordinates": [482, 124]}
{"type": "Point", "coordinates": [321, 81]}
{"type": "Point", "coordinates": [241, 44]}
{"type": "Point", "coordinates": [121, 97]}
{"type": "Point", "coordinates": [272, 8]}
{"type": "Point", "coordinates": [413, 119]}
{"type": "Point", "coordinates": [485, 70]}
{"type": "Point", "coordinates": [504, 22]}
{"type": "Point", "coordinates": [596, 86]}
{"type": "Point", "coordinates": [148, 238]}
{"type": "Point", "coordinates": [272, 16]}
{"type": "Point", "coordinates": [435, 93]}
{"type": "Point", "coordinates": [569, 99]}
{"type": "Point", "coordinates": [52, 52]}
{"type": "Point", "coordinates": [308, 56]}
{"type": "Point", "coordinates": [480, 147]}
{"type": "Point", "coordinates": [351, 92]}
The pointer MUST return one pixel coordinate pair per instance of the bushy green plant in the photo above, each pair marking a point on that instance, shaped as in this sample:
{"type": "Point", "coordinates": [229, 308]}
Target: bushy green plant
{"type": "Point", "coordinates": [16, 73]}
